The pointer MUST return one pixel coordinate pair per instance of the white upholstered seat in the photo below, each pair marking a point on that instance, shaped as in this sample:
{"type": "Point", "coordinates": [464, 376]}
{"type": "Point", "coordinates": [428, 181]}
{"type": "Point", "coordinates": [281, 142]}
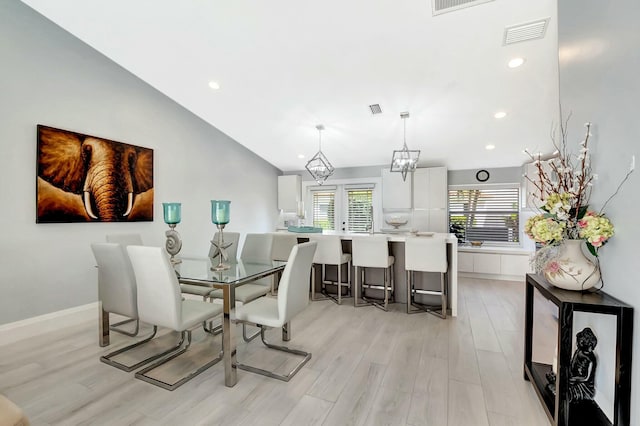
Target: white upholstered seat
{"type": "Point", "coordinates": [126, 240]}
{"type": "Point", "coordinates": [329, 252]}
{"type": "Point", "coordinates": [426, 254]}
{"type": "Point", "coordinates": [293, 297]}
{"type": "Point", "coordinates": [160, 303]}
{"type": "Point", "coordinates": [372, 252]}
{"type": "Point", "coordinates": [117, 294]}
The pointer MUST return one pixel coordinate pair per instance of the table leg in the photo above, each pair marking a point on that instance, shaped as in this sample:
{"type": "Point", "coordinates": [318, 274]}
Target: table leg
{"type": "Point", "coordinates": [103, 326]}
{"type": "Point", "coordinates": [228, 337]}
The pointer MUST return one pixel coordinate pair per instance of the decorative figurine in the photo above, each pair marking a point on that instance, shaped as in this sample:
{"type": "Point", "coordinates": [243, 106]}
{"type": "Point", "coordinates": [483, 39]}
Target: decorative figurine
{"type": "Point", "coordinates": [582, 370]}
{"type": "Point", "coordinates": [583, 367]}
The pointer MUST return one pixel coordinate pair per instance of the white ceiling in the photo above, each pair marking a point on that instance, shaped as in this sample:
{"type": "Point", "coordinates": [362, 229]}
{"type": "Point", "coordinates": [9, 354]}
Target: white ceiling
{"type": "Point", "coordinates": [286, 65]}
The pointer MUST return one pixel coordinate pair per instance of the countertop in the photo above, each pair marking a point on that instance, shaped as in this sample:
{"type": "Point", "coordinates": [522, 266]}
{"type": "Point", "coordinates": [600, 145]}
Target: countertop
{"type": "Point", "coordinates": [393, 236]}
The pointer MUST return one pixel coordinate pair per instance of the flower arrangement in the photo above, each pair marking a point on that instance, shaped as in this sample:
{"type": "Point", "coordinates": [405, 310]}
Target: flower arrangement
{"type": "Point", "coordinates": [563, 184]}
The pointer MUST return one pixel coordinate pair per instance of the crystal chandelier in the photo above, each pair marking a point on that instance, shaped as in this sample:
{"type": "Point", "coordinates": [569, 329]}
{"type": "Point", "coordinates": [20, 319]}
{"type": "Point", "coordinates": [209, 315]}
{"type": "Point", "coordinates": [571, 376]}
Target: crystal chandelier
{"type": "Point", "coordinates": [319, 166]}
{"type": "Point", "coordinates": [404, 160]}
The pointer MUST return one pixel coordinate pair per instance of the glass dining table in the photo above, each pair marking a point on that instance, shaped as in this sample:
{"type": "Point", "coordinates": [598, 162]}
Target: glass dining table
{"type": "Point", "coordinates": [198, 271]}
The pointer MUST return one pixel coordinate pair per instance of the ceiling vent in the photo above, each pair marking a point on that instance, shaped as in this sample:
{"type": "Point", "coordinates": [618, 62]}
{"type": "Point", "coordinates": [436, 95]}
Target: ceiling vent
{"type": "Point", "coordinates": [444, 6]}
{"type": "Point", "coordinates": [375, 109]}
{"type": "Point", "coordinates": [523, 32]}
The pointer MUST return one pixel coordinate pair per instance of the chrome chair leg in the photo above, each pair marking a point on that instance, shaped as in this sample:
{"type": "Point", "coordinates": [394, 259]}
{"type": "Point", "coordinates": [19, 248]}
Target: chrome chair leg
{"type": "Point", "coordinates": [142, 374]}
{"type": "Point", "coordinates": [133, 333]}
{"type": "Point", "coordinates": [107, 359]}
{"type": "Point", "coordinates": [359, 280]}
{"type": "Point", "coordinates": [244, 334]}
{"type": "Point", "coordinates": [439, 311]}
{"type": "Point", "coordinates": [313, 284]}
{"type": "Point", "coordinates": [283, 377]}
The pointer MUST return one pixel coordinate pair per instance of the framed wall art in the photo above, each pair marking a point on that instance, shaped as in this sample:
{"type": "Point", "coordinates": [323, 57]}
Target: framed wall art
{"type": "Point", "coordinates": [82, 178]}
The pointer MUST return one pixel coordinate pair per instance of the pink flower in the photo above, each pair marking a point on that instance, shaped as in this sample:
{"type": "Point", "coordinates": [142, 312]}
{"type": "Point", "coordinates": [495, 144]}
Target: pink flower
{"type": "Point", "coordinates": [553, 267]}
{"type": "Point", "coordinates": [597, 242]}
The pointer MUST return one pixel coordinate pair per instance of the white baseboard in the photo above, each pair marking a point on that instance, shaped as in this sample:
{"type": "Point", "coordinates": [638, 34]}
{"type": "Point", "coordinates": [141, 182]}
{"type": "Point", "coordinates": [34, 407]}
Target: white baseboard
{"type": "Point", "coordinates": [35, 326]}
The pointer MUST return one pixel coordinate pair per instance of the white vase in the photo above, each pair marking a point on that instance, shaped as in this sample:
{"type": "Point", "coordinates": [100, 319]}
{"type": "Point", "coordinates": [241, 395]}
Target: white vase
{"type": "Point", "coordinates": [572, 270]}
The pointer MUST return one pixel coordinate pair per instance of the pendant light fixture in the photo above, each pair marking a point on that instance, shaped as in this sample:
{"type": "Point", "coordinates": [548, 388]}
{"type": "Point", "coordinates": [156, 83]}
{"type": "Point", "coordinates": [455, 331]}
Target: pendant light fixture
{"type": "Point", "coordinates": [319, 166]}
{"type": "Point", "coordinates": [404, 160]}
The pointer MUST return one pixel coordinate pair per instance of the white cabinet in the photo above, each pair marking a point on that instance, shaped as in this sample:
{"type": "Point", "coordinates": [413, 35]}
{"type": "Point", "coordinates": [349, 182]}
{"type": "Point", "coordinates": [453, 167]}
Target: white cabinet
{"type": "Point", "coordinates": [430, 188]}
{"type": "Point", "coordinates": [430, 197]}
{"type": "Point", "coordinates": [289, 192]}
{"type": "Point", "coordinates": [498, 265]}
{"type": "Point", "coordinates": [396, 193]}
{"type": "Point", "coordinates": [515, 265]}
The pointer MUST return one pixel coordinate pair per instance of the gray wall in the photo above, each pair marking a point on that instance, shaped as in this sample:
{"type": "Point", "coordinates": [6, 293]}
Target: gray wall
{"type": "Point", "coordinates": [49, 77]}
{"type": "Point", "coordinates": [498, 175]}
{"type": "Point", "coordinates": [599, 68]}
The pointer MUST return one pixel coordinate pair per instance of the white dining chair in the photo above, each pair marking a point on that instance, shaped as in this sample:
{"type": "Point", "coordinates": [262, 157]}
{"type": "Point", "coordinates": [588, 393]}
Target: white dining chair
{"type": "Point", "coordinates": [425, 254]}
{"type": "Point", "coordinates": [117, 293]}
{"type": "Point", "coordinates": [329, 252]}
{"type": "Point", "coordinates": [367, 253]}
{"type": "Point", "coordinates": [293, 297]}
{"type": "Point", "coordinates": [125, 240]}
{"type": "Point", "coordinates": [160, 303]}
{"type": "Point", "coordinates": [257, 248]}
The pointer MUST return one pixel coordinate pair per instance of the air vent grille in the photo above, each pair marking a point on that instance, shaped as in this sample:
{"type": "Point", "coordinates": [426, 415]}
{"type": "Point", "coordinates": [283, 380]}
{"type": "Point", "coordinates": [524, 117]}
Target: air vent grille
{"type": "Point", "coordinates": [444, 6]}
{"type": "Point", "coordinates": [375, 109]}
{"type": "Point", "coordinates": [528, 31]}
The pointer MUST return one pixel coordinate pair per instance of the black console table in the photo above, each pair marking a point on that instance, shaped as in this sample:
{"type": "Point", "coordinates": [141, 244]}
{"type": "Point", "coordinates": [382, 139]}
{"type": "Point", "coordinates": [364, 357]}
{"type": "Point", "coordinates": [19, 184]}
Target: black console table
{"type": "Point", "coordinates": [558, 408]}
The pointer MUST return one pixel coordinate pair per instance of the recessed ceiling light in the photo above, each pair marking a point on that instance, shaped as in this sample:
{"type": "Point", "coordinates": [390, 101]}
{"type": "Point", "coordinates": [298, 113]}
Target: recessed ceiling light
{"type": "Point", "coordinates": [500, 114]}
{"type": "Point", "coordinates": [516, 62]}
{"type": "Point", "coordinates": [490, 147]}
{"type": "Point", "coordinates": [214, 85]}
{"type": "Point", "coordinates": [300, 155]}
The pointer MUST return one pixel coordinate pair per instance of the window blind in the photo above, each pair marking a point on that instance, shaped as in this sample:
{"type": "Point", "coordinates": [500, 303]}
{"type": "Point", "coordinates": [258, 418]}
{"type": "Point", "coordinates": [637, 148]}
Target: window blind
{"type": "Point", "coordinates": [359, 209]}
{"type": "Point", "coordinates": [324, 209]}
{"type": "Point", "coordinates": [486, 214]}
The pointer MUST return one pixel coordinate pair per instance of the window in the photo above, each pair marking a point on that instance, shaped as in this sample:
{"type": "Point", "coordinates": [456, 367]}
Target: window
{"type": "Point", "coordinates": [345, 206]}
{"type": "Point", "coordinates": [324, 209]}
{"type": "Point", "coordinates": [359, 209]}
{"type": "Point", "coordinates": [485, 214]}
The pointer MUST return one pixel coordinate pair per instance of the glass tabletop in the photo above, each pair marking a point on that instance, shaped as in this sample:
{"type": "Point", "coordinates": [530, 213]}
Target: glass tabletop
{"type": "Point", "coordinates": [198, 270]}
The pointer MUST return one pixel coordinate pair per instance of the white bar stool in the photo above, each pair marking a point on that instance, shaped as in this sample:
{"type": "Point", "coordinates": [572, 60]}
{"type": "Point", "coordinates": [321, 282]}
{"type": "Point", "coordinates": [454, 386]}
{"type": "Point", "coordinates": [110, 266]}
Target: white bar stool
{"type": "Point", "coordinates": [329, 252]}
{"type": "Point", "coordinates": [372, 252]}
{"type": "Point", "coordinates": [425, 254]}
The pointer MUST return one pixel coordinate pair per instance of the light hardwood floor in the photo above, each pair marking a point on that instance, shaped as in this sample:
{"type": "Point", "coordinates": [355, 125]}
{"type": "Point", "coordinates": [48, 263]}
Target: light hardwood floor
{"type": "Point", "coordinates": [369, 367]}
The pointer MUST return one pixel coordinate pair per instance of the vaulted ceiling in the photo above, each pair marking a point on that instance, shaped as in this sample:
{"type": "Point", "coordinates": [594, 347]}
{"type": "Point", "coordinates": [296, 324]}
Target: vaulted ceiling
{"type": "Point", "coordinates": [284, 66]}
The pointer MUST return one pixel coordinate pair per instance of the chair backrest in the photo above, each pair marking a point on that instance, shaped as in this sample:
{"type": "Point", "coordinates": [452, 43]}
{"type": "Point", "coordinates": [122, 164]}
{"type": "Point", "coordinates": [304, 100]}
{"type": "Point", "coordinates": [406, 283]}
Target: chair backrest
{"type": "Point", "coordinates": [257, 248]}
{"type": "Point", "coordinates": [116, 282]}
{"type": "Point", "coordinates": [159, 299]}
{"type": "Point", "coordinates": [125, 239]}
{"type": "Point", "coordinates": [282, 245]}
{"type": "Point", "coordinates": [427, 254]}
{"type": "Point", "coordinates": [329, 249]}
{"type": "Point", "coordinates": [370, 252]}
{"type": "Point", "coordinates": [232, 251]}
{"type": "Point", "coordinates": [293, 291]}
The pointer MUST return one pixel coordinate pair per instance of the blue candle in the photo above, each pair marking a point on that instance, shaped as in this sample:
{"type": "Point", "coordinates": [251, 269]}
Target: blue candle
{"type": "Point", "coordinates": [220, 211]}
{"type": "Point", "coordinates": [171, 213]}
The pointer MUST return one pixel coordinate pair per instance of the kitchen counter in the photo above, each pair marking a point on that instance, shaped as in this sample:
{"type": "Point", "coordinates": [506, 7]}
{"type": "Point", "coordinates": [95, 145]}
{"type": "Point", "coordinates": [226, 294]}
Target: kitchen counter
{"type": "Point", "coordinates": [397, 240]}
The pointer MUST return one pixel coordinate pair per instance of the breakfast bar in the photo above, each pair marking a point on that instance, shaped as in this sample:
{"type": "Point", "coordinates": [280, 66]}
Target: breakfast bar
{"type": "Point", "coordinates": [396, 249]}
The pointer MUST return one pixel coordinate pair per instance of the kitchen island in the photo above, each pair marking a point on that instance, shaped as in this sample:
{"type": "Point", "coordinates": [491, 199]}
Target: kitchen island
{"type": "Point", "coordinates": [396, 249]}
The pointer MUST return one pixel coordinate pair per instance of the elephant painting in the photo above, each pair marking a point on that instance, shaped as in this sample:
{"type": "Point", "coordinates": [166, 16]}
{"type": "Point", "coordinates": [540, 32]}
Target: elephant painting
{"type": "Point", "coordinates": [84, 179]}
